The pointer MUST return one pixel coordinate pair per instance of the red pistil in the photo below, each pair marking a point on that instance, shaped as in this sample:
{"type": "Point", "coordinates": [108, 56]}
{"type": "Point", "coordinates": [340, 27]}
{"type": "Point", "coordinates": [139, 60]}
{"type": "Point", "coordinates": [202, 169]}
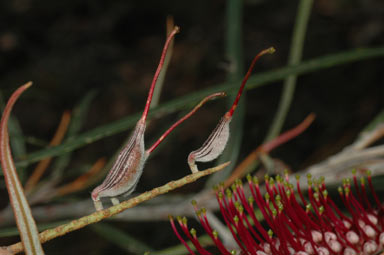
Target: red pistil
{"type": "Point", "coordinates": [179, 236]}
{"type": "Point", "coordinates": [295, 228]}
{"type": "Point", "coordinates": [378, 204]}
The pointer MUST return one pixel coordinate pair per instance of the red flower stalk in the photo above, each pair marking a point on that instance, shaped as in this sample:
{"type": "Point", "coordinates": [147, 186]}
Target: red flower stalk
{"type": "Point", "coordinates": [296, 225]}
{"type": "Point", "coordinates": [217, 140]}
{"type": "Point", "coordinates": [128, 167]}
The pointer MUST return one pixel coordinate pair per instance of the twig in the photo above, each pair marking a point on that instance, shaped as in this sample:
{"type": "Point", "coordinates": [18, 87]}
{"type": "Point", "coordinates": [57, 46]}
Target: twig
{"type": "Point", "coordinates": [342, 161]}
{"type": "Point", "coordinates": [100, 215]}
{"type": "Point", "coordinates": [369, 137]}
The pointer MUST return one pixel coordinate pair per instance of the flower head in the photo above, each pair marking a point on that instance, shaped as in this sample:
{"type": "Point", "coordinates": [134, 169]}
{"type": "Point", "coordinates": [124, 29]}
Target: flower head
{"type": "Point", "coordinates": [296, 225]}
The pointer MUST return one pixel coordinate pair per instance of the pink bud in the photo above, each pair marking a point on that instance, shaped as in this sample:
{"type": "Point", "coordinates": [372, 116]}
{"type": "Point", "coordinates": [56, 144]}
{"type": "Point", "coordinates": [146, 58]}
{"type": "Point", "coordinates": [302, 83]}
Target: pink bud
{"type": "Point", "coordinates": [322, 251]}
{"type": "Point", "coordinates": [328, 236]}
{"type": "Point", "coordinates": [349, 251]}
{"type": "Point", "coordinates": [370, 247]}
{"type": "Point", "coordinates": [369, 231]}
{"type": "Point", "coordinates": [347, 224]}
{"type": "Point", "coordinates": [309, 248]}
{"type": "Point", "coordinates": [317, 237]}
{"type": "Point", "coordinates": [352, 237]}
{"type": "Point", "coordinates": [302, 253]}
{"type": "Point", "coordinates": [381, 238]}
{"type": "Point", "coordinates": [335, 246]}
{"type": "Point", "coordinates": [267, 248]}
{"type": "Point", "coordinates": [372, 218]}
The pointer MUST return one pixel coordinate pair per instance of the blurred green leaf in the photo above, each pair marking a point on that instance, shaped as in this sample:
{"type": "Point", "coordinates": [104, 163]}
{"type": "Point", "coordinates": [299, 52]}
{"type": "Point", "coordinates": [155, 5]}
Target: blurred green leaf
{"type": "Point", "coordinates": [234, 53]}
{"type": "Point", "coordinates": [182, 102]}
{"type": "Point", "coordinates": [17, 140]}
{"type": "Point", "coordinates": [79, 115]}
{"type": "Point", "coordinates": [24, 219]}
{"type": "Point", "coordinates": [120, 238]}
{"type": "Point", "coordinates": [295, 54]}
{"type": "Point", "coordinates": [8, 232]}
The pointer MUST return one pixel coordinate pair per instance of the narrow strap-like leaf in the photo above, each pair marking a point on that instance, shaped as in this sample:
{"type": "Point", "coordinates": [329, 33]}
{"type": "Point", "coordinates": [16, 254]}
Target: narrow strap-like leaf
{"type": "Point", "coordinates": [25, 222]}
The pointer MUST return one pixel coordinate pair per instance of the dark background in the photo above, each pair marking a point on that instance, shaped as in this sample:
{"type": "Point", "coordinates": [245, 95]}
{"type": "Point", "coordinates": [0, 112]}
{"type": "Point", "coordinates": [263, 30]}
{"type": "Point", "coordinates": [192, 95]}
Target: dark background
{"type": "Point", "coordinates": [70, 47]}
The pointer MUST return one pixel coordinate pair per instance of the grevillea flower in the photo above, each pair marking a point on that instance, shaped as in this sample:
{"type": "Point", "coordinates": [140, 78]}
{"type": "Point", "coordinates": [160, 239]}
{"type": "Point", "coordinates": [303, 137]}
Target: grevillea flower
{"type": "Point", "coordinates": [296, 224]}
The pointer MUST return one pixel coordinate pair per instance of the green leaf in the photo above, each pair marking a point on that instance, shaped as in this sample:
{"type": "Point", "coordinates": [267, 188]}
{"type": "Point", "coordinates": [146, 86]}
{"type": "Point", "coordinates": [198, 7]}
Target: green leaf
{"type": "Point", "coordinates": [295, 53]}
{"type": "Point", "coordinates": [25, 222]}
{"type": "Point", "coordinates": [182, 102]}
{"type": "Point", "coordinates": [234, 53]}
{"type": "Point", "coordinates": [120, 238]}
{"type": "Point", "coordinates": [77, 121]}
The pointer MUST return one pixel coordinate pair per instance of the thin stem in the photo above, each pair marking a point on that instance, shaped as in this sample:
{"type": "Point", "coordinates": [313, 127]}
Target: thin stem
{"type": "Point", "coordinates": [288, 135]}
{"type": "Point", "coordinates": [243, 167]}
{"type": "Point", "coordinates": [235, 55]}
{"type": "Point", "coordinates": [246, 77]}
{"type": "Point", "coordinates": [304, 10]}
{"type": "Point", "coordinates": [255, 81]}
{"type": "Point", "coordinates": [202, 102]}
{"type": "Point", "coordinates": [116, 209]}
{"type": "Point", "coordinates": [158, 70]}
{"type": "Point", "coordinates": [21, 209]}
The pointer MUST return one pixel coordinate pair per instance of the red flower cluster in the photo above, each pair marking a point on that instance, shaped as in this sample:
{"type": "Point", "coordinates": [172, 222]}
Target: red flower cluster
{"type": "Point", "coordinates": [297, 225]}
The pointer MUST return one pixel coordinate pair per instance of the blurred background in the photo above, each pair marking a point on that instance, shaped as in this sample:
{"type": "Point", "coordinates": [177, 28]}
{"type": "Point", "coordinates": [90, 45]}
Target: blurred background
{"type": "Point", "coordinates": [111, 49]}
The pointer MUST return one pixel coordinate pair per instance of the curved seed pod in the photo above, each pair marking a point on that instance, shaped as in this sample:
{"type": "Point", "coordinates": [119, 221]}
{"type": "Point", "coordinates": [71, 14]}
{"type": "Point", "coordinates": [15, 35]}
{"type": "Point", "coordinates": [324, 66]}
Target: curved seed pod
{"type": "Point", "coordinates": [213, 146]}
{"type": "Point", "coordinates": [128, 167]}
{"type": "Point", "coordinates": [217, 140]}
{"type": "Point", "coordinates": [126, 171]}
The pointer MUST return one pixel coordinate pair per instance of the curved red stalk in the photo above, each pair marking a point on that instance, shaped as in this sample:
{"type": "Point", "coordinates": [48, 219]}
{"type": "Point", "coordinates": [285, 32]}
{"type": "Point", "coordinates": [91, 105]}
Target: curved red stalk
{"type": "Point", "coordinates": [251, 212]}
{"type": "Point", "coordinates": [171, 128]}
{"type": "Point", "coordinates": [244, 234]}
{"type": "Point", "coordinates": [362, 212]}
{"type": "Point", "coordinates": [179, 236]}
{"type": "Point", "coordinates": [377, 200]}
{"type": "Point", "coordinates": [226, 218]}
{"type": "Point", "coordinates": [158, 70]}
{"type": "Point", "coordinates": [300, 215]}
{"type": "Point", "coordinates": [288, 135]}
{"type": "Point", "coordinates": [232, 208]}
{"type": "Point", "coordinates": [205, 223]}
{"type": "Point", "coordinates": [255, 190]}
{"type": "Point", "coordinates": [364, 194]}
{"type": "Point", "coordinates": [294, 228]}
{"type": "Point", "coordinates": [193, 238]}
{"type": "Point", "coordinates": [246, 77]}
{"type": "Point", "coordinates": [357, 188]}
{"type": "Point", "coordinates": [283, 234]}
{"type": "Point", "coordinates": [300, 193]}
